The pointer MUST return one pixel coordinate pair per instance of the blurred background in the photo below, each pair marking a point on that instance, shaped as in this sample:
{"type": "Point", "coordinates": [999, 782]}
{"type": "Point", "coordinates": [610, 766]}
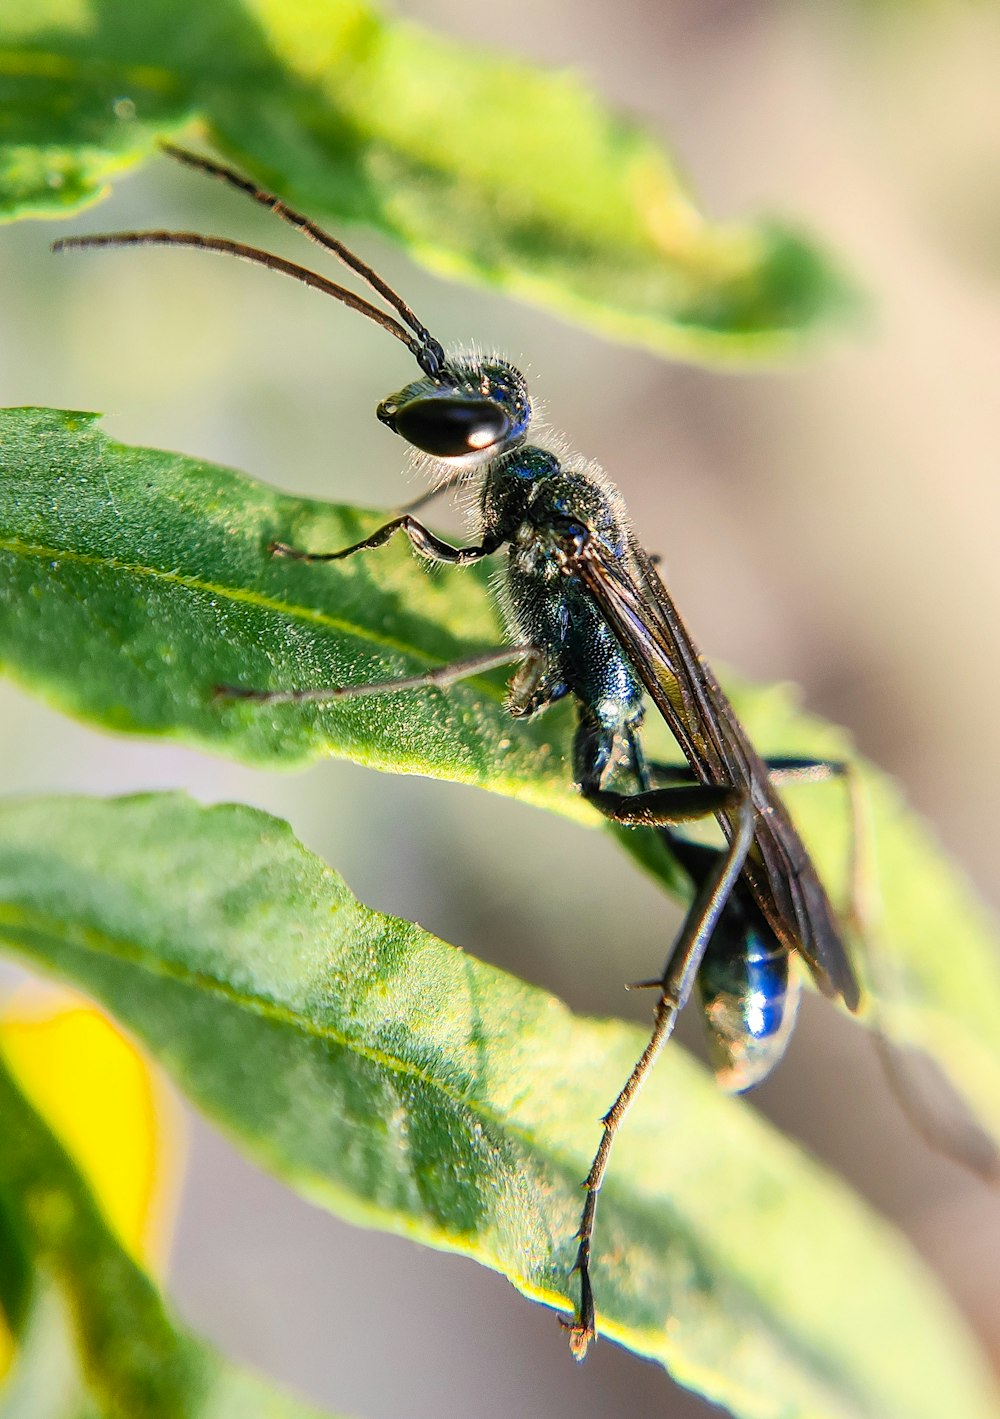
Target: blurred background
{"type": "Point", "coordinates": [832, 523]}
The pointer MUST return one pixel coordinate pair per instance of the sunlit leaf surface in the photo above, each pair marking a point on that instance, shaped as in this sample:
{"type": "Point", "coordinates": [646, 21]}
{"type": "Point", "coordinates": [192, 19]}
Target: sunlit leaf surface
{"type": "Point", "coordinates": [132, 582]}
{"type": "Point", "coordinates": [485, 167]}
{"type": "Point", "coordinates": [405, 1085]}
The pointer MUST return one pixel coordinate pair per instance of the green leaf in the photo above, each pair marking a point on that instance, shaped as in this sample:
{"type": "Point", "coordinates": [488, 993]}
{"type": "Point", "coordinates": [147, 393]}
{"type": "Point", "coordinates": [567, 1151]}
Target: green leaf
{"type": "Point", "coordinates": [485, 167]}
{"type": "Point", "coordinates": [132, 582]}
{"type": "Point", "coordinates": [15, 1276]}
{"type": "Point", "coordinates": [135, 1359]}
{"type": "Point", "coordinates": [158, 564]}
{"type": "Point", "coordinates": [396, 1080]}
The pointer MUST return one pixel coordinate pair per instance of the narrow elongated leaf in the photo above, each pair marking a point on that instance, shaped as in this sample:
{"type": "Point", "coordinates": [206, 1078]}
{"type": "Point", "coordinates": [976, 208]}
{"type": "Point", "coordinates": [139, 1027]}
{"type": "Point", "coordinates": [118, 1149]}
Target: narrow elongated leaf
{"type": "Point", "coordinates": [400, 1082]}
{"type": "Point", "coordinates": [159, 564]}
{"type": "Point", "coordinates": [15, 1280]}
{"type": "Point", "coordinates": [136, 1360]}
{"type": "Point", "coordinates": [132, 582]}
{"type": "Point", "coordinates": [484, 166]}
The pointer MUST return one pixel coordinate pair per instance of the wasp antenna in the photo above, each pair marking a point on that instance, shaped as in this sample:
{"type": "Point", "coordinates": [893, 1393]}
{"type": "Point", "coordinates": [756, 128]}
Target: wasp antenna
{"type": "Point", "coordinates": [257, 258]}
{"type": "Point", "coordinates": [431, 357]}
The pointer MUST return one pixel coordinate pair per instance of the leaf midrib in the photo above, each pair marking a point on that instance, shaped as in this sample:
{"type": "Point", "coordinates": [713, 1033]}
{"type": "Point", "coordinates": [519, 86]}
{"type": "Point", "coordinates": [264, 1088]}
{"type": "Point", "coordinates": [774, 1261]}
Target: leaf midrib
{"type": "Point", "coordinates": [92, 940]}
{"type": "Point", "coordinates": [96, 942]}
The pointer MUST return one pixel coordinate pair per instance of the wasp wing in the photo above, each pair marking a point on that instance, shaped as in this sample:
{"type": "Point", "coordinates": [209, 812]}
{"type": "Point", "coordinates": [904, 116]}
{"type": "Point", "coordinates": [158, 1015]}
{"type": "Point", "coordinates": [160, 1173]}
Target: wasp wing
{"type": "Point", "coordinates": [639, 610]}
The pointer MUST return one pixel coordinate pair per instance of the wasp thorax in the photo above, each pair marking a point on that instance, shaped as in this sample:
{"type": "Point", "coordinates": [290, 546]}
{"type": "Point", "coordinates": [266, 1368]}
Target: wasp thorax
{"type": "Point", "coordinates": [471, 411]}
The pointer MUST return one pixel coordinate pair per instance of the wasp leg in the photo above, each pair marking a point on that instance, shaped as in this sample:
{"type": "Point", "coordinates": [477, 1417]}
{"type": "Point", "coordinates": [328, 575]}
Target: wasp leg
{"type": "Point", "coordinates": [782, 770]}
{"type": "Point", "coordinates": [421, 539]}
{"type": "Point", "coordinates": [593, 753]}
{"type": "Point", "coordinates": [676, 983]}
{"type": "Point", "coordinates": [435, 550]}
{"type": "Point", "coordinates": [593, 750]}
{"type": "Point", "coordinates": [439, 677]}
{"type": "Point", "coordinates": [933, 1110]}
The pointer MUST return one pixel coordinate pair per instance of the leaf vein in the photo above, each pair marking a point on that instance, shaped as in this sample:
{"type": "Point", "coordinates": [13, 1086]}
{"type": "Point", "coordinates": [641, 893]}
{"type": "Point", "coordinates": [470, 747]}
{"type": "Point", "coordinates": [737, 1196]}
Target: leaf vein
{"type": "Point", "coordinates": [338, 624]}
{"type": "Point", "coordinates": [15, 919]}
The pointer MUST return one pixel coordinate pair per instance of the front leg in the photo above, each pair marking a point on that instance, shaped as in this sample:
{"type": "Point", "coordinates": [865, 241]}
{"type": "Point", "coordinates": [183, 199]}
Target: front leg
{"type": "Point", "coordinates": [421, 539]}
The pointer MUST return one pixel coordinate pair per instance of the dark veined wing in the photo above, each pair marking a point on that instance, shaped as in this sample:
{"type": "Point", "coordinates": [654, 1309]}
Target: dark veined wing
{"type": "Point", "coordinates": [640, 612]}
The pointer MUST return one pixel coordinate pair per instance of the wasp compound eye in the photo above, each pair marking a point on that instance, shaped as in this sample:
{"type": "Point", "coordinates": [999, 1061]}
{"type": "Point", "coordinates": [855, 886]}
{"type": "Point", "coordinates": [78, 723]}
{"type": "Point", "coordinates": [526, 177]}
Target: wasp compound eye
{"type": "Point", "coordinates": [448, 427]}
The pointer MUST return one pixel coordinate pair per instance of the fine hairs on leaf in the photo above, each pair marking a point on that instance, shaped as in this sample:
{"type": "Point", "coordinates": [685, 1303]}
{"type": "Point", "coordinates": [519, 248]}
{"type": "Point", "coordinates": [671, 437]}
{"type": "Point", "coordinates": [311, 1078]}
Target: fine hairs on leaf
{"type": "Point", "coordinates": [380, 1072]}
{"type": "Point", "coordinates": [393, 1079]}
{"type": "Point", "coordinates": [177, 573]}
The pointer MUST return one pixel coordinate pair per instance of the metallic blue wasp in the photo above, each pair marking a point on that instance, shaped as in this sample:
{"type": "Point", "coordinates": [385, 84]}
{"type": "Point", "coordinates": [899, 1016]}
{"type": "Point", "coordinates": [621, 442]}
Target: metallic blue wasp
{"type": "Point", "coordinates": [591, 619]}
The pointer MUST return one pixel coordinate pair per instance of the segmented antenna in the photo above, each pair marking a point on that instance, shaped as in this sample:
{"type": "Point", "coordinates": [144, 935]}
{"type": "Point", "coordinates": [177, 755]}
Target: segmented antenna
{"type": "Point", "coordinates": [425, 349]}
